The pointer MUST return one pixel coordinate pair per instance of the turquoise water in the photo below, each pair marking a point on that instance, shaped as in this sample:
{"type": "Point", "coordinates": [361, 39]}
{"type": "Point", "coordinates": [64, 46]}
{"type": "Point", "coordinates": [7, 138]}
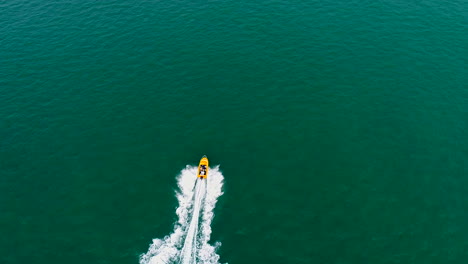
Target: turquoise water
{"type": "Point", "coordinates": [339, 126]}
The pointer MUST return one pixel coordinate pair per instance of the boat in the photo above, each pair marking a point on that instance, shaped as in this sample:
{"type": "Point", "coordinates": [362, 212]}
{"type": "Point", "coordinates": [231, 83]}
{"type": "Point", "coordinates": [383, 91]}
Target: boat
{"type": "Point", "coordinates": [203, 168]}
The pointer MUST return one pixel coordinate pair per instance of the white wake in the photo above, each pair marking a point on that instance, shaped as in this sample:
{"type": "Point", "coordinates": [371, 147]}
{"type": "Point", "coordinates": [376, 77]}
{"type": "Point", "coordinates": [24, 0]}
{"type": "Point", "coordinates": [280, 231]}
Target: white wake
{"type": "Point", "coordinates": [188, 243]}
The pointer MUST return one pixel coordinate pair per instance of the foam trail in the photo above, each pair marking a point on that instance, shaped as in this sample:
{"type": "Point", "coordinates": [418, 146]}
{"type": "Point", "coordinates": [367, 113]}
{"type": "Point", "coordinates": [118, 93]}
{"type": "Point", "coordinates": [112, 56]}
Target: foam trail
{"type": "Point", "coordinates": [188, 243]}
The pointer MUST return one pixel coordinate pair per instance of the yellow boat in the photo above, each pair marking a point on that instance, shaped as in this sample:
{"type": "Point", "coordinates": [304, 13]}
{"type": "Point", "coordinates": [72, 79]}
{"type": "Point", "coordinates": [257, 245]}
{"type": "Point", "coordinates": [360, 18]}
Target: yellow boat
{"type": "Point", "coordinates": [203, 168]}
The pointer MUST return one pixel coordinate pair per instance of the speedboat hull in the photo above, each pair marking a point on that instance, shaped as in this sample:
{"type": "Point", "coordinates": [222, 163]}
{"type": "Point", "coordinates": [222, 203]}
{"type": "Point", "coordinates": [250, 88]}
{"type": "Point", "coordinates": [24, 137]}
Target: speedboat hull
{"type": "Point", "coordinates": [202, 172]}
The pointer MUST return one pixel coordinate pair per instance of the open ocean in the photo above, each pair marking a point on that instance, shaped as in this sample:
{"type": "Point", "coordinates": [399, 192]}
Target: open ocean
{"type": "Point", "coordinates": [337, 131]}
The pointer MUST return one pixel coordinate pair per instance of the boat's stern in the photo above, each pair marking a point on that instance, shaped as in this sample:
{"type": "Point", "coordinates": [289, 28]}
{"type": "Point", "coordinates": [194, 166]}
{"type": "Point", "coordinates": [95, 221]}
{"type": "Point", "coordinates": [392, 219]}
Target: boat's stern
{"type": "Point", "coordinates": [203, 168]}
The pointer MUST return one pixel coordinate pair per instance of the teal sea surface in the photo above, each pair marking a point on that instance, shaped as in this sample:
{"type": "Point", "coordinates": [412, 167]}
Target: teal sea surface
{"type": "Point", "coordinates": [340, 128]}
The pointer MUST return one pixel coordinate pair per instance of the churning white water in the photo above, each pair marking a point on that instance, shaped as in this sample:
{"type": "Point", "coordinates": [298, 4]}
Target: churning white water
{"type": "Point", "coordinates": [188, 243]}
